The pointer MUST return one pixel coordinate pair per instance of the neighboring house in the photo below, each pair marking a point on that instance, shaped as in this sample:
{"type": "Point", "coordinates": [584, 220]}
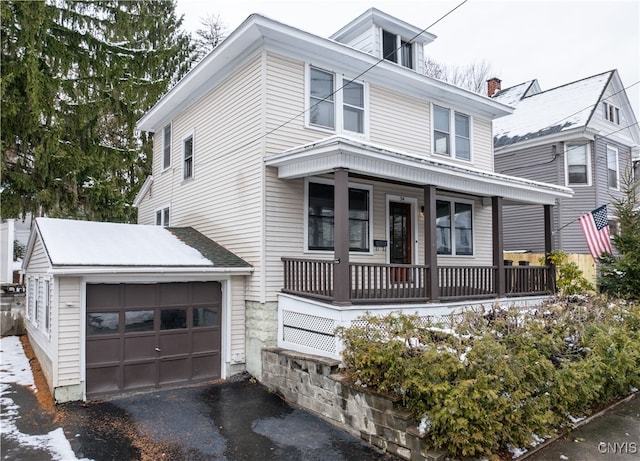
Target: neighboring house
{"type": "Point", "coordinates": [349, 183]}
{"type": "Point", "coordinates": [581, 135]}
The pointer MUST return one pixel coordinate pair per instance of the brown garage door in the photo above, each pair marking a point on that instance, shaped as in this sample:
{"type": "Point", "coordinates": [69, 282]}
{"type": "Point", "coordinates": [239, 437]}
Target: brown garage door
{"type": "Point", "coordinates": [142, 336]}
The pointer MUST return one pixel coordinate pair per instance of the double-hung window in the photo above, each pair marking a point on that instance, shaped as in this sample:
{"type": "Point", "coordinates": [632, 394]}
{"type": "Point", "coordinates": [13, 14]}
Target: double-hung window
{"type": "Point", "coordinates": [577, 164]}
{"type": "Point", "coordinates": [454, 228]}
{"type": "Point", "coordinates": [336, 104]}
{"type": "Point", "coordinates": [162, 217]}
{"type": "Point", "coordinates": [612, 166]}
{"type": "Point", "coordinates": [321, 217]}
{"type": "Point", "coordinates": [451, 133]}
{"type": "Point", "coordinates": [166, 147]}
{"type": "Point", "coordinates": [187, 149]}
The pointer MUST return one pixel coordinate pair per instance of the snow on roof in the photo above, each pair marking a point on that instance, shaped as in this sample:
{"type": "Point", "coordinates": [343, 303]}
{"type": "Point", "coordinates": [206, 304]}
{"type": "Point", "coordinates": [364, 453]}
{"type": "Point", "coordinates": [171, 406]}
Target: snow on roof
{"type": "Point", "coordinates": [512, 96]}
{"type": "Point", "coordinates": [565, 107]}
{"type": "Point", "coordinates": [88, 243]}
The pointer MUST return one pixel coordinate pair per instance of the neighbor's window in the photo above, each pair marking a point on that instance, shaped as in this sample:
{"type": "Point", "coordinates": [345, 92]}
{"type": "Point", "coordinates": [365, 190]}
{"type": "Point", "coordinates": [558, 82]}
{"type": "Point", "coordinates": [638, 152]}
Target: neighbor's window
{"type": "Point", "coordinates": [456, 239]}
{"type": "Point", "coordinates": [166, 147]}
{"type": "Point", "coordinates": [611, 113]}
{"type": "Point", "coordinates": [612, 166]}
{"type": "Point", "coordinates": [321, 214]}
{"type": "Point", "coordinates": [187, 147]}
{"type": "Point", "coordinates": [396, 50]}
{"type": "Point", "coordinates": [454, 143]}
{"type": "Point", "coordinates": [577, 158]}
{"type": "Point", "coordinates": [341, 109]}
{"type": "Point", "coordinates": [162, 217]}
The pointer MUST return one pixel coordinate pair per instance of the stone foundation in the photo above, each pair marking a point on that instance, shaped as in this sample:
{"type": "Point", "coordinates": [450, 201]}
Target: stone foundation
{"type": "Point", "coordinates": [315, 384]}
{"type": "Point", "coordinates": [261, 330]}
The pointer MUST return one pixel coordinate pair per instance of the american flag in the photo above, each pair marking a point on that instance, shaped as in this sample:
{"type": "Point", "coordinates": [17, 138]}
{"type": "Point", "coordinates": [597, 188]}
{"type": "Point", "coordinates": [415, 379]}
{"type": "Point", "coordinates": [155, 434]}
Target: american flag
{"type": "Point", "coordinates": [595, 226]}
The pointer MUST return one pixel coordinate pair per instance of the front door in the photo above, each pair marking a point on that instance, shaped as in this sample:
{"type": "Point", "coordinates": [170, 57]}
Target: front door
{"type": "Point", "coordinates": [400, 239]}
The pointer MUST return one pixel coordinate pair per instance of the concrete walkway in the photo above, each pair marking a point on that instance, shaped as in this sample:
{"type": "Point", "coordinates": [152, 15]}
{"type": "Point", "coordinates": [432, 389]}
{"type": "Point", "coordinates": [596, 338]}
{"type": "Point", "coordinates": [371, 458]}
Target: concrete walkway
{"type": "Point", "coordinates": [613, 435]}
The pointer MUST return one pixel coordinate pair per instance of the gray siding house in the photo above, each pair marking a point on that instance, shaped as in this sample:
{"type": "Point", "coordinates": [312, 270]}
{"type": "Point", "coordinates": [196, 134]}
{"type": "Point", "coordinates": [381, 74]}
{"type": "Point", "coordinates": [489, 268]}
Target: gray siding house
{"type": "Point", "coordinates": [583, 135]}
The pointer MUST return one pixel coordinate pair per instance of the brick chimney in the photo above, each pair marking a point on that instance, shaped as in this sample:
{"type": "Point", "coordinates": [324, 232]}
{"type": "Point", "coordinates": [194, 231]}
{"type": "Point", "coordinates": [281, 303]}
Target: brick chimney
{"type": "Point", "coordinates": [493, 86]}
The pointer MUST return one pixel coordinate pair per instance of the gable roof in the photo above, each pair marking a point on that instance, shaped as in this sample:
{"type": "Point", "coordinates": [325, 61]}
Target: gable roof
{"type": "Point", "coordinates": [560, 109]}
{"type": "Point", "coordinates": [71, 243]}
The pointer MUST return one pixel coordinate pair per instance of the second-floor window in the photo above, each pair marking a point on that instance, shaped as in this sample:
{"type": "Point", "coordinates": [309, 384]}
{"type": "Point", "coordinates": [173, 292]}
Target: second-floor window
{"type": "Point", "coordinates": [336, 104]}
{"type": "Point", "coordinates": [577, 164]}
{"type": "Point", "coordinates": [187, 148]}
{"type": "Point", "coordinates": [611, 113]}
{"type": "Point", "coordinates": [451, 133]}
{"type": "Point", "coordinates": [166, 147]}
{"type": "Point", "coordinates": [612, 167]}
{"type": "Point", "coordinates": [162, 217]}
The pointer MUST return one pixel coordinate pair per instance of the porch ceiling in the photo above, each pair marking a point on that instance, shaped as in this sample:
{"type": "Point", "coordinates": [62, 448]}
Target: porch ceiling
{"type": "Point", "coordinates": [361, 157]}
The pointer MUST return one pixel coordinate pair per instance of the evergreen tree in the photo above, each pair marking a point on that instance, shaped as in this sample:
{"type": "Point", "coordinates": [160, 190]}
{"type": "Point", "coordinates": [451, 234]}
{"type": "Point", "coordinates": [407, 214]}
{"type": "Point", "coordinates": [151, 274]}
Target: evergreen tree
{"type": "Point", "coordinates": [76, 76]}
{"type": "Point", "coordinates": [620, 275]}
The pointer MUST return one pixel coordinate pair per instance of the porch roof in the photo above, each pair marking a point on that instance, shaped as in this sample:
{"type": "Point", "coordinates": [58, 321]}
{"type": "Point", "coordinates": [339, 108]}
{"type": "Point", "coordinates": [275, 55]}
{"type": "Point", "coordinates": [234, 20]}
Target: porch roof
{"type": "Point", "coordinates": [361, 157]}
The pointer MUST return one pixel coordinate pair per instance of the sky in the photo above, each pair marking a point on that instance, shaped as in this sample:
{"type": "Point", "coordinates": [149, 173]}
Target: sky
{"type": "Point", "coordinates": [555, 42]}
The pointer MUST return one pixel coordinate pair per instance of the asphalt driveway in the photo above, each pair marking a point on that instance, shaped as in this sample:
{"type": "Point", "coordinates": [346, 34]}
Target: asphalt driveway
{"type": "Point", "coordinates": [240, 420]}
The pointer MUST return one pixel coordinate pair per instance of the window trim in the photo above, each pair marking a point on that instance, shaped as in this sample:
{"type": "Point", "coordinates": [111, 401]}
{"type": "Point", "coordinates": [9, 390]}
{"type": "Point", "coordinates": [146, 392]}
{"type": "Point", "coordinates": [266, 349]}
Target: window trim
{"type": "Point", "coordinates": [339, 105]}
{"type": "Point", "coordinates": [46, 301]}
{"type": "Point", "coordinates": [613, 110]}
{"type": "Point", "coordinates": [399, 49]}
{"type": "Point", "coordinates": [162, 212]}
{"type": "Point", "coordinates": [452, 203]}
{"type": "Point", "coordinates": [166, 165]}
{"type": "Point", "coordinates": [185, 138]}
{"type": "Point", "coordinates": [351, 185]}
{"type": "Point", "coordinates": [567, 147]}
{"type": "Point", "coordinates": [617, 170]}
{"type": "Point", "coordinates": [451, 133]}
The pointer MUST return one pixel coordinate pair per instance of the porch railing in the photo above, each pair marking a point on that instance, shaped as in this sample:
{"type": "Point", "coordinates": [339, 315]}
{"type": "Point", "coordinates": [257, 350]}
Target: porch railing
{"type": "Point", "coordinates": [388, 283]}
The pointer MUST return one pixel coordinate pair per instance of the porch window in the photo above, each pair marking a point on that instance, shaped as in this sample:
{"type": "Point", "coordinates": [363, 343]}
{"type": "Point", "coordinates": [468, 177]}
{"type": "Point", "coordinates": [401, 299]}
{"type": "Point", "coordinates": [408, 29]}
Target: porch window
{"type": "Point", "coordinates": [341, 109]}
{"type": "Point", "coordinates": [321, 218]}
{"type": "Point", "coordinates": [454, 142]}
{"type": "Point", "coordinates": [459, 240]}
{"type": "Point", "coordinates": [577, 160]}
{"type": "Point", "coordinates": [166, 147]}
{"type": "Point", "coordinates": [187, 147]}
{"type": "Point", "coordinates": [612, 166]}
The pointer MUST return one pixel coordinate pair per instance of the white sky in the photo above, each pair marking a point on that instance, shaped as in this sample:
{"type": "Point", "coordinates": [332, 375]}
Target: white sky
{"type": "Point", "coordinates": [557, 42]}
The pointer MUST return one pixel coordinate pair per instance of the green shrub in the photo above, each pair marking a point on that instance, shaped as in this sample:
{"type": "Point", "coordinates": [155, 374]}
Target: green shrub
{"type": "Point", "coordinates": [570, 279]}
{"type": "Point", "coordinates": [503, 377]}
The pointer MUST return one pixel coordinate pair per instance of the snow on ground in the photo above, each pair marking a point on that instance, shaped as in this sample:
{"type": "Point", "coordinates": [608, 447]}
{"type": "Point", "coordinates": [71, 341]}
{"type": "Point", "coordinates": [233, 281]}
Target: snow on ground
{"type": "Point", "coordinates": [15, 369]}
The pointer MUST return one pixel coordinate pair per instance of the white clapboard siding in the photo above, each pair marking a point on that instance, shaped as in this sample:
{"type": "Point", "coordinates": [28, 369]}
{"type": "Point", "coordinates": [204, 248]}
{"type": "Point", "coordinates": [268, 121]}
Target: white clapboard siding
{"type": "Point", "coordinates": [482, 144]}
{"type": "Point", "coordinates": [399, 121]}
{"type": "Point", "coordinates": [237, 317]}
{"type": "Point", "coordinates": [69, 320]}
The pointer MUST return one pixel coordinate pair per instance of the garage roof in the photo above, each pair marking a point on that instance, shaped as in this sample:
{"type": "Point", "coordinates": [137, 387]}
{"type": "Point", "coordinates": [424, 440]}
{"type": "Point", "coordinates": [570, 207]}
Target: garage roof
{"type": "Point", "coordinates": [88, 243]}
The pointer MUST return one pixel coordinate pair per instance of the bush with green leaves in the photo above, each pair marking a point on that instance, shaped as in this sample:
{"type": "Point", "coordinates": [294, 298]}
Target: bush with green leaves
{"type": "Point", "coordinates": [570, 279]}
{"type": "Point", "coordinates": [501, 378]}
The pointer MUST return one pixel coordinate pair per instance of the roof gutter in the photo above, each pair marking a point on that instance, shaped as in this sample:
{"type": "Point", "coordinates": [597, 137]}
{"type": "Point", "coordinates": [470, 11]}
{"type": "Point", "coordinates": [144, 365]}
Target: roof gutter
{"type": "Point", "coordinates": [128, 270]}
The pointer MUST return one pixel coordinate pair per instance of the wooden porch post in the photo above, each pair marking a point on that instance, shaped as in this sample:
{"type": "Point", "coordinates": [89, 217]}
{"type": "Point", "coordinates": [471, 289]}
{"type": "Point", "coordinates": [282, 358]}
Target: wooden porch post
{"type": "Point", "coordinates": [430, 244]}
{"type": "Point", "coordinates": [341, 276]}
{"type": "Point", "coordinates": [548, 245]}
{"type": "Point", "coordinates": [498, 244]}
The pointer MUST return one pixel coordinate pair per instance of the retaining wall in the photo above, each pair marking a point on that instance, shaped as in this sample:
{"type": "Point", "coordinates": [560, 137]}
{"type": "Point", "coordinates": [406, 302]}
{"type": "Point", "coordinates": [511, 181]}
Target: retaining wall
{"type": "Point", "coordinates": [315, 384]}
{"type": "Point", "coordinates": [12, 312]}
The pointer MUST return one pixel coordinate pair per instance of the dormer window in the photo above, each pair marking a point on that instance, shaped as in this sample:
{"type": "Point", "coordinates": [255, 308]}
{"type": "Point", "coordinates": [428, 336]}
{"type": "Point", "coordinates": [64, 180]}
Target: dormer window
{"type": "Point", "coordinates": [396, 50]}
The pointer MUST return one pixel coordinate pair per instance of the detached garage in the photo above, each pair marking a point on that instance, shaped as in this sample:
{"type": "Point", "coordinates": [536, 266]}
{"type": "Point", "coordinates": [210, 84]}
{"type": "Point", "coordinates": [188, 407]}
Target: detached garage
{"type": "Point", "coordinates": [114, 308]}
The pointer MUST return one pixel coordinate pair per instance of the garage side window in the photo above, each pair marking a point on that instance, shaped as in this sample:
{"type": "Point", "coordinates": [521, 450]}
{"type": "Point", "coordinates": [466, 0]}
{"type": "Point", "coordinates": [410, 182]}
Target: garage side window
{"type": "Point", "coordinates": [205, 316]}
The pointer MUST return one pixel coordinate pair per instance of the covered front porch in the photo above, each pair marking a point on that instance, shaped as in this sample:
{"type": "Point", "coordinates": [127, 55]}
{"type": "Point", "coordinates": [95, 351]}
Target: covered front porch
{"type": "Point", "coordinates": [345, 277]}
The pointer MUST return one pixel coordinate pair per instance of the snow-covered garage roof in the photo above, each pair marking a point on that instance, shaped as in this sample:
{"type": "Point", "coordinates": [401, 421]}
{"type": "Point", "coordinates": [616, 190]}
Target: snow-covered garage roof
{"type": "Point", "coordinates": [99, 244]}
